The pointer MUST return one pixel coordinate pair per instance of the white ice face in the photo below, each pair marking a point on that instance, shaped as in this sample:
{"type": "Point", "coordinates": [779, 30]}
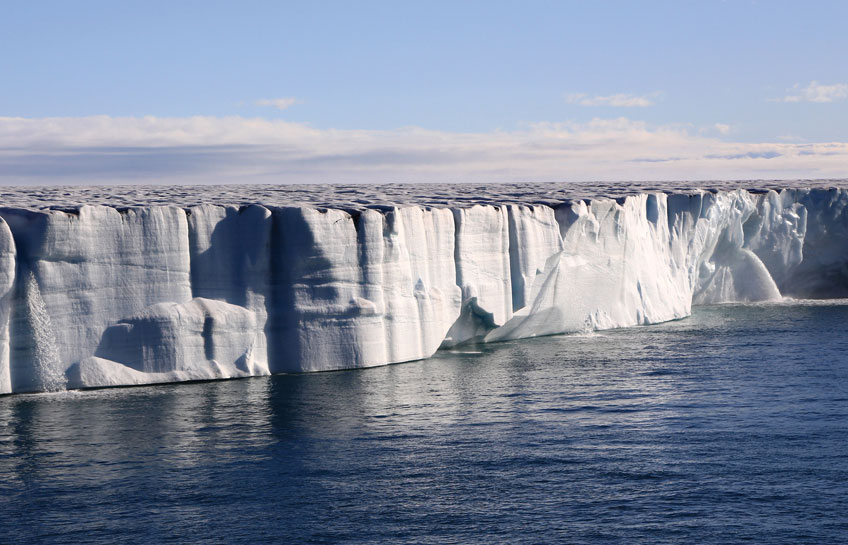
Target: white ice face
{"type": "Point", "coordinates": [101, 296]}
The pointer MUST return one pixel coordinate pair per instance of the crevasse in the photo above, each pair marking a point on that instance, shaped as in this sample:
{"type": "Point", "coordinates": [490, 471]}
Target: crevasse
{"type": "Point", "coordinates": [101, 296]}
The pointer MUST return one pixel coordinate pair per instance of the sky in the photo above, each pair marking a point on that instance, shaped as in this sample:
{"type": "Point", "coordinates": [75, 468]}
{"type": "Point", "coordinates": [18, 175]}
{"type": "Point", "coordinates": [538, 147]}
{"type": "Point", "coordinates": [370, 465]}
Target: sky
{"type": "Point", "coordinates": [306, 92]}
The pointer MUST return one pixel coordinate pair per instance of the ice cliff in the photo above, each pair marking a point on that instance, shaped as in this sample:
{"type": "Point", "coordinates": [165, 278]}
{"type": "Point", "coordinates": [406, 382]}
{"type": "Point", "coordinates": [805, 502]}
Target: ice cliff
{"type": "Point", "coordinates": [98, 295]}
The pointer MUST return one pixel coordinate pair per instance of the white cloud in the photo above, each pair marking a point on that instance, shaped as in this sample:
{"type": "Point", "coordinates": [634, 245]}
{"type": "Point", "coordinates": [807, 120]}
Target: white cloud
{"type": "Point", "coordinates": [722, 128]}
{"type": "Point", "coordinates": [278, 103]}
{"type": "Point", "coordinates": [101, 149]}
{"type": "Point", "coordinates": [620, 100]}
{"type": "Point", "coordinates": [816, 92]}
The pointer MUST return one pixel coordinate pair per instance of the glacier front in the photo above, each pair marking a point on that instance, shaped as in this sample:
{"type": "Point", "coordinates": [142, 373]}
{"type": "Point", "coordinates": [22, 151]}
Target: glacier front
{"type": "Point", "coordinates": [121, 286]}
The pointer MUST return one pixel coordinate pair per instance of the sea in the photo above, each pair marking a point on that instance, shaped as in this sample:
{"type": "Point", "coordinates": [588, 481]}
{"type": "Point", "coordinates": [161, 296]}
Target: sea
{"type": "Point", "coordinates": [730, 426]}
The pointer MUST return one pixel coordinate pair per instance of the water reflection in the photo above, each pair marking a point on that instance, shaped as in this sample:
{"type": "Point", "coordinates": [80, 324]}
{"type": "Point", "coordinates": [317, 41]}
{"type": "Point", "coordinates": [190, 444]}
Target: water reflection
{"type": "Point", "coordinates": [709, 422]}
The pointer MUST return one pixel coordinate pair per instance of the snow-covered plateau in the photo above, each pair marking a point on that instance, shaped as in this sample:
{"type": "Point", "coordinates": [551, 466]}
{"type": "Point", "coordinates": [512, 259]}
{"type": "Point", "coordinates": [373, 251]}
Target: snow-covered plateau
{"type": "Point", "coordinates": [135, 285]}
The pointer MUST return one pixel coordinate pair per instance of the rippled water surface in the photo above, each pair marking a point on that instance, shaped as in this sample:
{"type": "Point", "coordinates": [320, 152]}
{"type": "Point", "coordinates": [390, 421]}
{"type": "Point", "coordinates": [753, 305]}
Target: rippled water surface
{"type": "Point", "coordinates": [729, 426]}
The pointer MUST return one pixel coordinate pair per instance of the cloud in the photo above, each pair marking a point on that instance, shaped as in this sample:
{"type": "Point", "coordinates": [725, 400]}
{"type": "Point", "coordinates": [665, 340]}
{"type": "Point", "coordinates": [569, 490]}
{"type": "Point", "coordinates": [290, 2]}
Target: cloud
{"type": "Point", "coordinates": [816, 92]}
{"type": "Point", "coordinates": [278, 103]}
{"type": "Point", "coordinates": [619, 100]}
{"type": "Point", "coordinates": [107, 150]}
{"type": "Point", "coordinates": [766, 154]}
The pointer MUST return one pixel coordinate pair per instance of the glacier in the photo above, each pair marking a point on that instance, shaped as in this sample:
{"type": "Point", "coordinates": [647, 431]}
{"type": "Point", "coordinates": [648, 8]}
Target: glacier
{"type": "Point", "coordinates": [139, 285]}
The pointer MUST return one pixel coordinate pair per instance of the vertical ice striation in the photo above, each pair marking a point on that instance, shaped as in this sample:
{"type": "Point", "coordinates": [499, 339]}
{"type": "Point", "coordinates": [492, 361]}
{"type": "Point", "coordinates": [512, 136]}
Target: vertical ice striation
{"type": "Point", "coordinates": [8, 263]}
{"type": "Point", "coordinates": [823, 269]}
{"type": "Point", "coordinates": [92, 267]}
{"type": "Point", "coordinates": [418, 283]}
{"type": "Point", "coordinates": [99, 296]}
{"type": "Point", "coordinates": [98, 264]}
{"type": "Point", "coordinates": [728, 271]}
{"type": "Point", "coordinates": [533, 238]}
{"type": "Point", "coordinates": [483, 272]}
{"type": "Point", "coordinates": [363, 289]}
{"type": "Point", "coordinates": [615, 268]}
{"type": "Point", "coordinates": [776, 234]}
{"type": "Point", "coordinates": [230, 250]}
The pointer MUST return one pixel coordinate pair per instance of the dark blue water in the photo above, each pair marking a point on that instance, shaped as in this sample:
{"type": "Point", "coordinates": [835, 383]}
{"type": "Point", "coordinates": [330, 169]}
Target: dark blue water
{"type": "Point", "coordinates": [726, 427]}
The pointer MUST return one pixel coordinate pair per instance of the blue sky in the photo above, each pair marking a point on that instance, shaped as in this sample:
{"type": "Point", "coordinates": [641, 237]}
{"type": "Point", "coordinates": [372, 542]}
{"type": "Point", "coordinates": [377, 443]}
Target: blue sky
{"type": "Point", "coordinates": [403, 91]}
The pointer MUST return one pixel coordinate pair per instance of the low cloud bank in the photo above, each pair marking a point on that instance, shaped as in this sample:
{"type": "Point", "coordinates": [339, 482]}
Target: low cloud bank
{"type": "Point", "coordinates": [105, 150]}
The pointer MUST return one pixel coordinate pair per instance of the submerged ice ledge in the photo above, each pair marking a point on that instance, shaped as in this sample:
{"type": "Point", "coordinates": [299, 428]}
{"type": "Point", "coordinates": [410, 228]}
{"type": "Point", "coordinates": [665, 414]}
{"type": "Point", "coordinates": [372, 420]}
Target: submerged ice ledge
{"type": "Point", "coordinates": [102, 296]}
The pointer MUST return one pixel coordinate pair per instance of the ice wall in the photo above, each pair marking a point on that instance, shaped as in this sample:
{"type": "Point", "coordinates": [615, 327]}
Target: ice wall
{"type": "Point", "coordinates": [7, 285]}
{"type": "Point", "coordinates": [101, 296]}
{"type": "Point", "coordinates": [364, 289]}
{"type": "Point", "coordinates": [230, 261]}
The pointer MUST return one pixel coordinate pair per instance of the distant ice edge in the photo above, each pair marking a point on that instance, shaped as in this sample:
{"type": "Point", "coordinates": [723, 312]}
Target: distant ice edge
{"type": "Point", "coordinates": [100, 296]}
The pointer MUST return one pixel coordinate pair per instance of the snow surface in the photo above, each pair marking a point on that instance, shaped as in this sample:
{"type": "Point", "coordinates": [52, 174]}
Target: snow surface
{"type": "Point", "coordinates": [112, 286]}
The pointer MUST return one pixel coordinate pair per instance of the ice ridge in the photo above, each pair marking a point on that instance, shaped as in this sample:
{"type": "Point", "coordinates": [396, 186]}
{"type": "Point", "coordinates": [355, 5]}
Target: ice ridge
{"type": "Point", "coordinates": [95, 295]}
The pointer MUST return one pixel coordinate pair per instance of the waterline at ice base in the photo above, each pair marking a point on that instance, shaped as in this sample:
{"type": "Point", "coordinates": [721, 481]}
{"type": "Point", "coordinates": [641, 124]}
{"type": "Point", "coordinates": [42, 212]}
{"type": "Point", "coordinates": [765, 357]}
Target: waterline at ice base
{"type": "Point", "coordinates": [110, 287]}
